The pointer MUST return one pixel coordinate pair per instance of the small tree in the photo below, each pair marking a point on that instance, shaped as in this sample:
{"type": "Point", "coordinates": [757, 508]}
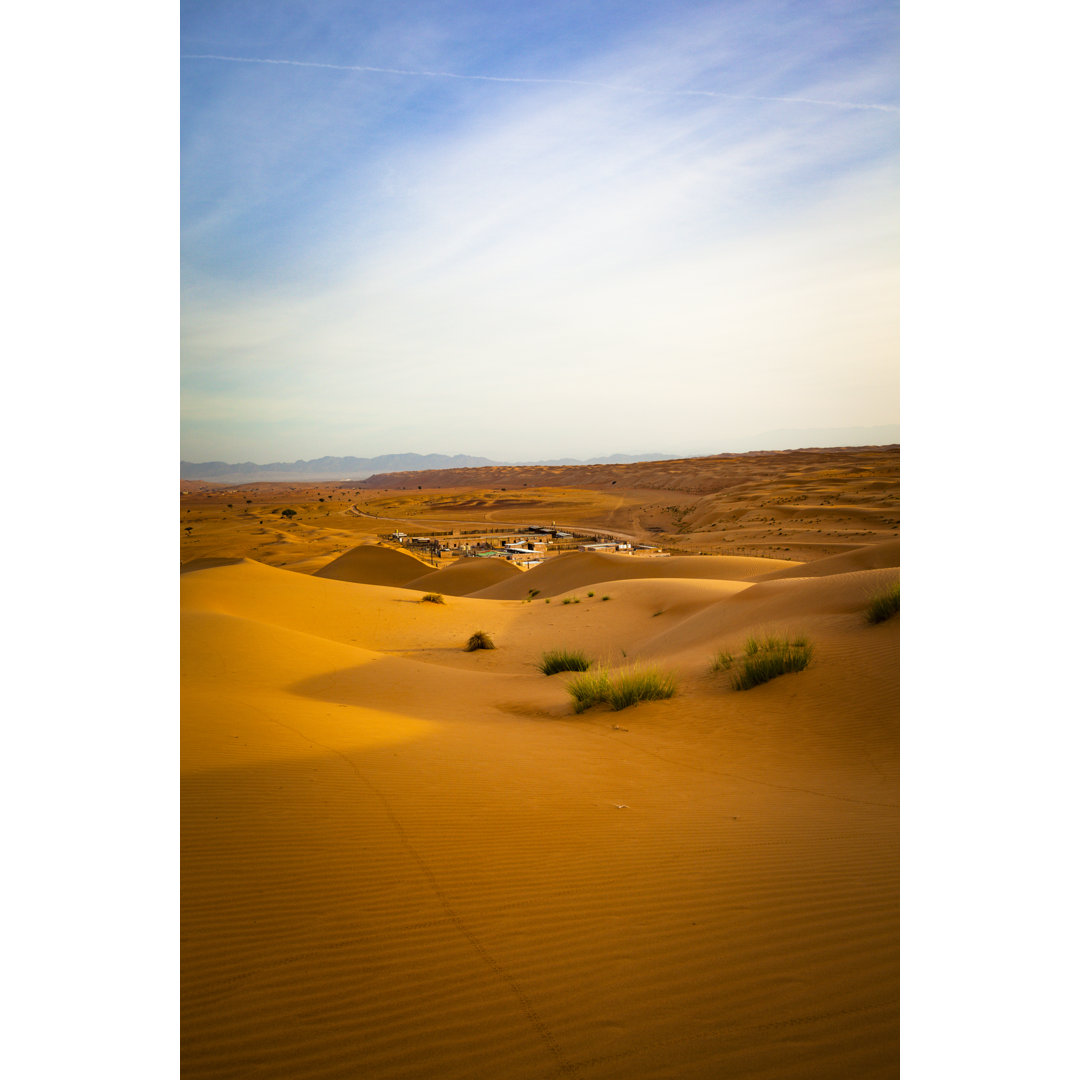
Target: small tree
{"type": "Point", "coordinates": [288, 514]}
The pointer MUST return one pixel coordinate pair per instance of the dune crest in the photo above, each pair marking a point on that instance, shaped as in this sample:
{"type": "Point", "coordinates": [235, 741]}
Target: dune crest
{"type": "Point", "coordinates": [370, 564]}
{"type": "Point", "coordinates": [467, 576]}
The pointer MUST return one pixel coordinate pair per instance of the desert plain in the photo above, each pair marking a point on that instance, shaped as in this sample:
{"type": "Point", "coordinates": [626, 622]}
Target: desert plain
{"type": "Point", "coordinates": [402, 859]}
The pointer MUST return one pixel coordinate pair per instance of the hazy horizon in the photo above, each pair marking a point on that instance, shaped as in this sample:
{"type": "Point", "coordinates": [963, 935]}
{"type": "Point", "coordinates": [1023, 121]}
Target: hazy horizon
{"type": "Point", "coordinates": [563, 231]}
{"type": "Point", "coordinates": [765, 441]}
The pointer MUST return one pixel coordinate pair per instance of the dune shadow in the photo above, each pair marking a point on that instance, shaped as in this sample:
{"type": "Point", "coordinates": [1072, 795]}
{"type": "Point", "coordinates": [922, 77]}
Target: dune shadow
{"type": "Point", "coordinates": [532, 711]}
{"type": "Point", "coordinates": [440, 691]}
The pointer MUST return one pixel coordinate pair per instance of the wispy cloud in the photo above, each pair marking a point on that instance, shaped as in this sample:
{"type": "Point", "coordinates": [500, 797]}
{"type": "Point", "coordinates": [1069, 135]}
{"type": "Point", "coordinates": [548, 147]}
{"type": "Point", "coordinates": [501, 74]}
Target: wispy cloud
{"type": "Point", "coordinates": [620, 87]}
{"type": "Point", "coordinates": [575, 266]}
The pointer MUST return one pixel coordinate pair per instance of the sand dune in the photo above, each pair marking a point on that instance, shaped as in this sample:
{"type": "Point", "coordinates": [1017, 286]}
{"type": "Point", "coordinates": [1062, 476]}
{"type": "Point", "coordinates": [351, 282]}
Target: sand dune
{"type": "Point", "coordinates": [579, 569]}
{"type": "Point", "coordinates": [207, 563]}
{"type": "Point", "coordinates": [870, 557]}
{"type": "Point", "coordinates": [467, 576]}
{"type": "Point", "coordinates": [374, 565]}
{"type": "Point", "coordinates": [402, 860]}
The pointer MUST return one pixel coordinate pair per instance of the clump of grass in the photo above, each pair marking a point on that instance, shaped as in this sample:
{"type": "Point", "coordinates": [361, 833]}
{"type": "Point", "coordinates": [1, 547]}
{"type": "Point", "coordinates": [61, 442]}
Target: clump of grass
{"type": "Point", "coordinates": [556, 660]}
{"type": "Point", "coordinates": [533, 593]}
{"type": "Point", "coordinates": [770, 657]}
{"type": "Point", "coordinates": [592, 594]}
{"type": "Point", "coordinates": [590, 688]}
{"type": "Point", "coordinates": [479, 640]}
{"type": "Point", "coordinates": [572, 600]}
{"type": "Point", "coordinates": [605, 597]}
{"type": "Point", "coordinates": [641, 684]}
{"type": "Point", "coordinates": [884, 604]}
{"type": "Point", "coordinates": [722, 661]}
{"type": "Point", "coordinates": [432, 598]}
{"type": "Point", "coordinates": [621, 691]}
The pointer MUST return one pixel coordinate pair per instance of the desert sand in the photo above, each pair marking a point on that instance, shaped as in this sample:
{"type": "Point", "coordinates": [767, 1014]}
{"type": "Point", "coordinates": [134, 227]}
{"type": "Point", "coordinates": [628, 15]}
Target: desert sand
{"type": "Point", "coordinates": [404, 860]}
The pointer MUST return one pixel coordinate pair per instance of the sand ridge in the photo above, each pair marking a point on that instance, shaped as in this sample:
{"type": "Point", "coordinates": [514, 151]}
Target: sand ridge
{"type": "Point", "coordinates": [577, 570]}
{"type": "Point", "coordinates": [405, 860]}
{"type": "Point", "coordinates": [374, 565]}
{"type": "Point", "coordinates": [467, 576]}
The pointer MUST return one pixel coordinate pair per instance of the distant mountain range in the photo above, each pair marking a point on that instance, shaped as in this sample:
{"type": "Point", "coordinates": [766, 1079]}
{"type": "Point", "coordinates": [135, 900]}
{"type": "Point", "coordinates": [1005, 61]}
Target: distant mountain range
{"type": "Point", "coordinates": [357, 468]}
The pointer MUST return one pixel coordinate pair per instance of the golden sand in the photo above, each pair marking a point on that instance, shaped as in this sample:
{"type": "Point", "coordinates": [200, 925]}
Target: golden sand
{"type": "Point", "coordinates": [402, 860]}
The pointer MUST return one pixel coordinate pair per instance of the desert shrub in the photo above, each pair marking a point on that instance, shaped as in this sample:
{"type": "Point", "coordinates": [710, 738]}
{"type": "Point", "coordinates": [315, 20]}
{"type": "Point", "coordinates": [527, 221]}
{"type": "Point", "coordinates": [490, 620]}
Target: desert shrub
{"type": "Point", "coordinates": [722, 661]}
{"type": "Point", "coordinates": [590, 688]}
{"type": "Point", "coordinates": [479, 640]}
{"type": "Point", "coordinates": [766, 659]}
{"type": "Point", "coordinates": [432, 598]}
{"type": "Point", "coordinates": [641, 684]}
{"type": "Point", "coordinates": [622, 690]}
{"type": "Point", "coordinates": [605, 597]}
{"type": "Point", "coordinates": [884, 604]}
{"type": "Point", "coordinates": [288, 514]}
{"type": "Point", "coordinates": [556, 660]}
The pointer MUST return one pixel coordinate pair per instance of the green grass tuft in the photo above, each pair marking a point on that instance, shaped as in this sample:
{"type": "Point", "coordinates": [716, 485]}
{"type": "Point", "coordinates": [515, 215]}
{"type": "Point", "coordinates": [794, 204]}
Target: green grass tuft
{"type": "Point", "coordinates": [479, 640]}
{"type": "Point", "coordinates": [590, 688]}
{"type": "Point", "coordinates": [622, 690]}
{"type": "Point", "coordinates": [641, 684]}
{"type": "Point", "coordinates": [722, 661]}
{"type": "Point", "coordinates": [556, 660]}
{"type": "Point", "coordinates": [884, 604]}
{"type": "Point", "coordinates": [766, 659]}
{"type": "Point", "coordinates": [432, 598]}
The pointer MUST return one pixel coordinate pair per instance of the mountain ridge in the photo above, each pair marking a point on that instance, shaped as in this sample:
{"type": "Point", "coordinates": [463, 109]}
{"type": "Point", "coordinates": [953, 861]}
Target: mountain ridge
{"type": "Point", "coordinates": [361, 468]}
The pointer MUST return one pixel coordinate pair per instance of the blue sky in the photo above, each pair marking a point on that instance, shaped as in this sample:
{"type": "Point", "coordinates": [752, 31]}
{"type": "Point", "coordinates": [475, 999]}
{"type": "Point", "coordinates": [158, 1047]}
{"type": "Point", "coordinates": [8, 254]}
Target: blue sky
{"type": "Point", "coordinates": [531, 230]}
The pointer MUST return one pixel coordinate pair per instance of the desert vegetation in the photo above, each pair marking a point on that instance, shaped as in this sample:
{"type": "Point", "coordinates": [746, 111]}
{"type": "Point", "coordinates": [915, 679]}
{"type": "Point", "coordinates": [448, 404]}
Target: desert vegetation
{"type": "Point", "coordinates": [621, 690]}
{"type": "Point", "coordinates": [764, 659]}
{"type": "Point", "coordinates": [556, 660]}
{"type": "Point", "coordinates": [432, 598]}
{"type": "Point", "coordinates": [479, 640]}
{"type": "Point", "coordinates": [884, 604]}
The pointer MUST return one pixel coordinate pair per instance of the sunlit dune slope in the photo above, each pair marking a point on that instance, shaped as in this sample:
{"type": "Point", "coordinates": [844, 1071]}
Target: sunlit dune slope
{"type": "Point", "coordinates": [401, 860]}
{"type": "Point", "coordinates": [381, 617]}
{"type": "Point", "coordinates": [467, 576]}
{"type": "Point", "coordinates": [207, 563]}
{"type": "Point", "coordinates": [579, 569]}
{"type": "Point", "coordinates": [783, 607]}
{"type": "Point", "coordinates": [871, 557]}
{"type": "Point", "coordinates": [374, 565]}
